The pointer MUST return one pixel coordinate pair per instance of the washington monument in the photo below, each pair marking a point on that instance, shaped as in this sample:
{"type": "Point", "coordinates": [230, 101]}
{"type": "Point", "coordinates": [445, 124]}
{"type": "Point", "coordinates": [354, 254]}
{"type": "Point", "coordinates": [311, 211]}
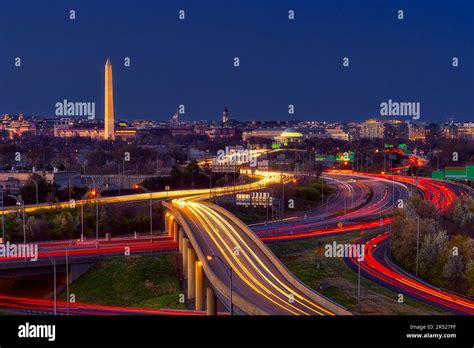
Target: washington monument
{"type": "Point", "coordinates": [109, 103]}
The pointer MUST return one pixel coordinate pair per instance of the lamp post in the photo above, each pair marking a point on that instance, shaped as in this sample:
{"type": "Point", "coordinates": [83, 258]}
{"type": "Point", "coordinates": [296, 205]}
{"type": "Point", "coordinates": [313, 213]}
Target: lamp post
{"type": "Point", "coordinates": [21, 203]}
{"type": "Point", "coordinates": [55, 293]}
{"type": "Point", "coordinates": [417, 243]}
{"type": "Point", "coordinates": [229, 270]}
{"type": "Point", "coordinates": [389, 232]}
{"type": "Point", "coordinates": [53, 262]}
{"type": "Point", "coordinates": [36, 187]}
{"type": "Point", "coordinates": [96, 194]}
{"type": "Point", "coordinates": [69, 185]}
{"type": "Point", "coordinates": [269, 198]}
{"type": "Point", "coordinates": [3, 217]}
{"type": "Point", "coordinates": [97, 220]}
{"type": "Point", "coordinates": [82, 222]}
{"type": "Point", "coordinates": [282, 196]}
{"type": "Point", "coordinates": [210, 185]}
{"type": "Point", "coordinates": [358, 286]}
{"type": "Point", "coordinates": [67, 279]}
{"type": "Point", "coordinates": [137, 186]}
{"type": "Point", "coordinates": [82, 216]}
{"type": "Point", "coordinates": [322, 190]}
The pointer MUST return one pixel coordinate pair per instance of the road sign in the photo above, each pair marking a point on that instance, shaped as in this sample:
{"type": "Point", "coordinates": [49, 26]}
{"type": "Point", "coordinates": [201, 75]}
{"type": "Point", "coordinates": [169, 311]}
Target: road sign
{"type": "Point", "coordinates": [276, 146]}
{"type": "Point", "coordinates": [327, 158]}
{"type": "Point", "coordinates": [345, 157]}
{"type": "Point", "coordinates": [255, 199]}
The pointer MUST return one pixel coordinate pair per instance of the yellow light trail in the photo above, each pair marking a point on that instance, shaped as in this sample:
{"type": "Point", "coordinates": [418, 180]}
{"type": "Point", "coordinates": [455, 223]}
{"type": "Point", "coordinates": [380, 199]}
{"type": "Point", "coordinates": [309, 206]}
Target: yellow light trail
{"type": "Point", "coordinates": [266, 178]}
{"type": "Point", "coordinates": [216, 225]}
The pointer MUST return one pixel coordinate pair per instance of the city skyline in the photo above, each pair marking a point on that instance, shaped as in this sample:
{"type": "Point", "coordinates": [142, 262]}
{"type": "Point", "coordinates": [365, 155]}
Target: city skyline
{"type": "Point", "coordinates": [282, 62]}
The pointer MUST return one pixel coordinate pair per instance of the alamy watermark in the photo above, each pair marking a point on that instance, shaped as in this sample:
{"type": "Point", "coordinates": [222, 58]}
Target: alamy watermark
{"type": "Point", "coordinates": [19, 251]}
{"type": "Point", "coordinates": [345, 250]}
{"type": "Point", "coordinates": [237, 156]}
{"type": "Point", "coordinates": [28, 330]}
{"type": "Point", "coordinates": [67, 108]}
{"type": "Point", "coordinates": [397, 109]}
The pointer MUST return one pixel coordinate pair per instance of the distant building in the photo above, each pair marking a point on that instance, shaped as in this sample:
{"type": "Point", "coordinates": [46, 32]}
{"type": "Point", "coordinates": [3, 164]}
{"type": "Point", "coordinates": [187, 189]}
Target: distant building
{"type": "Point", "coordinates": [466, 131]}
{"type": "Point", "coordinates": [13, 181]}
{"type": "Point", "coordinates": [372, 129]}
{"type": "Point", "coordinates": [223, 132]}
{"type": "Point", "coordinates": [338, 133]}
{"type": "Point", "coordinates": [225, 115]}
{"type": "Point", "coordinates": [155, 131]}
{"type": "Point", "coordinates": [416, 131]}
{"type": "Point", "coordinates": [69, 130]}
{"type": "Point", "coordinates": [17, 127]}
{"type": "Point", "coordinates": [175, 118]}
{"type": "Point", "coordinates": [181, 130]}
{"type": "Point", "coordinates": [433, 131]}
{"type": "Point", "coordinates": [196, 154]}
{"type": "Point", "coordinates": [263, 133]}
{"type": "Point", "coordinates": [395, 129]}
{"type": "Point", "coordinates": [449, 130]}
{"type": "Point", "coordinates": [290, 135]}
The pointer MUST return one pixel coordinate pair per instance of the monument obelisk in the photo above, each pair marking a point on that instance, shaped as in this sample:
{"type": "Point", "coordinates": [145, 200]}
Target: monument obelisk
{"type": "Point", "coordinates": [109, 130]}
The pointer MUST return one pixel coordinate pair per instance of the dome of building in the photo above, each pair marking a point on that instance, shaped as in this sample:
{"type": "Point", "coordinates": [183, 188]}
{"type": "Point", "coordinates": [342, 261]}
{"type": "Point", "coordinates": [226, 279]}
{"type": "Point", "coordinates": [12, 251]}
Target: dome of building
{"type": "Point", "coordinates": [291, 133]}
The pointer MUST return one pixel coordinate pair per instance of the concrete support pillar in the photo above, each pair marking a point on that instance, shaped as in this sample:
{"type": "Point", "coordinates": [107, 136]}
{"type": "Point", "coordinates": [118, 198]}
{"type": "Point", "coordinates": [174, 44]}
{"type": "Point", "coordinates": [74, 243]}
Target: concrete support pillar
{"type": "Point", "coordinates": [170, 226]}
{"type": "Point", "coordinates": [199, 291]}
{"type": "Point", "coordinates": [191, 270]}
{"type": "Point", "coordinates": [180, 239]}
{"type": "Point", "coordinates": [167, 225]}
{"type": "Point", "coordinates": [211, 302]}
{"type": "Point", "coordinates": [175, 231]}
{"type": "Point", "coordinates": [184, 253]}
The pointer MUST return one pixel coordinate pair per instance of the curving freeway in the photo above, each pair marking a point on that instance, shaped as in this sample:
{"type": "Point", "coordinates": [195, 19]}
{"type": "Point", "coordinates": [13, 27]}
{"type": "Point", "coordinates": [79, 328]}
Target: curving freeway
{"type": "Point", "coordinates": [262, 284]}
{"type": "Point", "coordinates": [379, 267]}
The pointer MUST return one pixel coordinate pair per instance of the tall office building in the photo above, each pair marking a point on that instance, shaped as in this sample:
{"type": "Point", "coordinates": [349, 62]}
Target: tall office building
{"type": "Point", "coordinates": [109, 129]}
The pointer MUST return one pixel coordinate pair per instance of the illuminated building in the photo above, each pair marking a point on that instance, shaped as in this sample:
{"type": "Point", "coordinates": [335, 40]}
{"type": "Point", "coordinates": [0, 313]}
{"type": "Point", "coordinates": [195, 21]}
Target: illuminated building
{"type": "Point", "coordinates": [17, 127]}
{"type": "Point", "coordinates": [338, 133]}
{"type": "Point", "coordinates": [466, 131]}
{"type": "Point", "coordinates": [416, 131]}
{"type": "Point", "coordinates": [372, 129]}
{"type": "Point", "coordinates": [264, 133]}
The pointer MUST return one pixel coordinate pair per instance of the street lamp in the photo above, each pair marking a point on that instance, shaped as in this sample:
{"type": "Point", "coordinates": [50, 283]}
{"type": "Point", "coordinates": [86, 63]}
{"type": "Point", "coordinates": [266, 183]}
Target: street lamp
{"type": "Point", "coordinates": [283, 196]}
{"type": "Point", "coordinates": [21, 203]}
{"type": "Point", "coordinates": [53, 262]}
{"type": "Point", "coordinates": [3, 217]}
{"type": "Point", "coordinates": [69, 186]}
{"type": "Point", "coordinates": [417, 243]}
{"type": "Point", "coordinates": [67, 279]}
{"type": "Point", "coordinates": [136, 187]}
{"type": "Point", "coordinates": [96, 193]}
{"type": "Point", "coordinates": [36, 187]}
{"type": "Point", "coordinates": [389, 232]}
{"type": "Point", "coordinates": [358, 285]}
{"type": "Point", "coordinates": [229, 270]}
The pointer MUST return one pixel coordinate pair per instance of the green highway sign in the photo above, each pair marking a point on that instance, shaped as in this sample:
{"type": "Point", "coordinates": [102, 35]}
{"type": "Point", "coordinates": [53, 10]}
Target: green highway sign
{"type": "Point", "coordinates": [276, 146]}
{"type": "Point", "coordinates": [345, 157]}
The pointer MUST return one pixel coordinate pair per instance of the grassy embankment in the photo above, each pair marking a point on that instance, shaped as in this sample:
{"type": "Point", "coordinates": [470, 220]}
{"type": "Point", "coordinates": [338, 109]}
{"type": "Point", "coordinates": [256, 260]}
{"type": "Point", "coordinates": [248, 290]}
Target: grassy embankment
{"type": "Point", "coordinates": [134, 281]}
{"type": "Point", "coordinates": [301, 257]}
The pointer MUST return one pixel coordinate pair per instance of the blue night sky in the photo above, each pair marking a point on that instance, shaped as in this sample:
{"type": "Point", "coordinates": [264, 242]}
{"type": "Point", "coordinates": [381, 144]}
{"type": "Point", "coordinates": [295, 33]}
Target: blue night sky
{"type": "Point", "coordinates": [283, 62]}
